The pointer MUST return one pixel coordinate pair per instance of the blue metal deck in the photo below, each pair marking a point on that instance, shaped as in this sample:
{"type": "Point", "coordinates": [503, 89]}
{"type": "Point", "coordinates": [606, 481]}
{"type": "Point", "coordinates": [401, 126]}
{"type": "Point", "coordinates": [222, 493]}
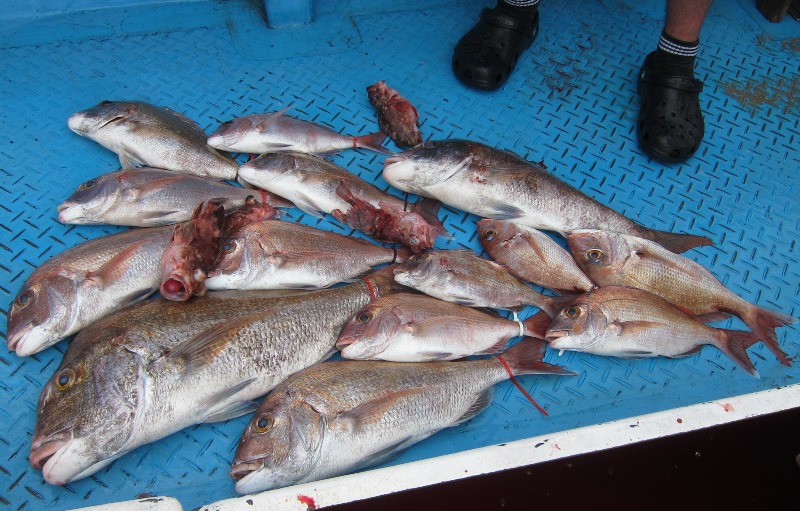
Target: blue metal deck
{"type": "Point", "coordinates": [572, 104]}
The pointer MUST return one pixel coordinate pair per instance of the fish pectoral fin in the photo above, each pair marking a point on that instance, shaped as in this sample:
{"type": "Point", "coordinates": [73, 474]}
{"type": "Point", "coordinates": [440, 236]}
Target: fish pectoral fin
{"type": "Point", "coordinates": [389, 453]}
{"type": "Point", "coordinates": [458, 167]}
{"type": "Point", "coordinates": [130, 161]}
{"type": "Point", "coordinates": [534, 244]}
{"type": "Point", "coordinates": [433, 327]}
{"type": "Point", "coordinates": [430, 356]}
{"type": "Point", "coordinates": [499, 210]}
{"type": "Point", "coordinates": [150, 188]}
{"type": "Point", "coordinates": [160, 216]}
{"type": "Point", "coordinates": [632, 328]}
{"type": "Point", "coordinates": [203, 348]}
{"type": "Point", "coordinates": [480, 404]}
{"type": "Point", "coordinates": [372, 411]}
{"type": "Point", "coordinates": [116, 266]}
{"type": "Point", "coordinates": [263, 125]}
{"type": "Point", "coordinates": [635, 354]}
{"type": "Point", "coordinates": [307, 205]}
{"type": "Point", "coordinates": [219, 410]}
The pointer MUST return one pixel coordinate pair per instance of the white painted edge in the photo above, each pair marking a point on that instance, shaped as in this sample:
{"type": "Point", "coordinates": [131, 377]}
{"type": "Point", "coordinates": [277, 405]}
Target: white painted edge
{"type": "Point", "coordinates": [144, 504]}
{"type": "Point", "coordinates": [520, 453]}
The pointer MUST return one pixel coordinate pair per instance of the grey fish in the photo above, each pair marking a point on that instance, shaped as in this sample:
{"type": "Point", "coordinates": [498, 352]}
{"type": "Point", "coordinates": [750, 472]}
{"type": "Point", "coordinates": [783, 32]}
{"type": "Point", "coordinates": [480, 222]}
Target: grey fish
{"type": "Point", "coordinates": [160, 366]}
{"type": "Point", "coordinates": [145, 135]}
{"type": "Point", "coordinates": [273, 254]}
{"type": "Point", "coordinates": [532, 256]}
{"type": "Point", "coordinates": [459, 276]}
{"type": "Point", "coordinates": [83, 284]}
{"type": "Point", "coordinates": [613, 259]}
{"type": "Point", "coordinates": [408, 327]}
{"type": "Point", "coordinates": [338, 417]}
{"type": "Point", "coordinates": [631, 323]}
{"type": "Point", "coordinates": [277, 132]}
{"type": "Point", "coordinates": [497, 184]}
{"type": "Point", "coordinates": [148, 197]}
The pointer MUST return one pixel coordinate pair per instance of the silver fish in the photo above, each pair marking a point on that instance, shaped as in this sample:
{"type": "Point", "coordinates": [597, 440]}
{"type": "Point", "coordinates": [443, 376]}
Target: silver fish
{"type": "Point", "coordinates": [276, 132]}
{"type": "Point", "coordinates": [339, 417]}
{"type": "Point", "coordinates": [145, 135]}
{"type": "Point", "coordinates": [148, 197]}
{"type": "Point", "coordinates": [631, 323]}
{"type": "Point", "coordinates": [406, 327]}
{"type": "Point", "coordinates": [83, 284]}
{"type": "Point", "coordinates": [459, 276]}
{"type": "Point", "coordinates": [613, 259]}
{"type": "Point", "coordinates": [532, 256]}
{"type": "Point", "coordinates": [284, 255]}
{"type": "Point", "coordinates": [160, 366]}
{"type": "Point", "coordinates": [500, 185]}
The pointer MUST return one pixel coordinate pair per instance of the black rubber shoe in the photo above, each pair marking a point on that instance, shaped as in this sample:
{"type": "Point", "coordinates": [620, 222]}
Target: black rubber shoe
{"type": "Point", "coordinates": [670, 120]}
{"type": "Point", "coordinates": [485, 57]}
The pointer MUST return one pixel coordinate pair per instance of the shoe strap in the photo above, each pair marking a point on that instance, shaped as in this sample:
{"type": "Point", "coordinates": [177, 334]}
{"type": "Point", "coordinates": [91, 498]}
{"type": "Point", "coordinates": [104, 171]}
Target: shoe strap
{"type": "Point", "coordinates": [500, 19]}
{"type": "Point", "coordinates": [682, 83]}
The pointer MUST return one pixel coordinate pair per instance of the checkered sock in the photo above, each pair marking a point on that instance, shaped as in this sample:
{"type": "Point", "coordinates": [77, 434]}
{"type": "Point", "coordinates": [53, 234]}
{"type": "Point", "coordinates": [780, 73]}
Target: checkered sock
{"type": "Point", "coordinates": [674, 56]}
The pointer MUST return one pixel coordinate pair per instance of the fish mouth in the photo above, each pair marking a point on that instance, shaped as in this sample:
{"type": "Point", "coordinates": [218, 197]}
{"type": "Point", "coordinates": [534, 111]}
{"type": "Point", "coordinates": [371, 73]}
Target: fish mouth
{"type": "Point", "coordinates": [75, 123]}
{"type": "Point", "coordinates": [43, 451]}
{"type": "Point", "coordinates": [241, 470]}
{"type": "Point", "coordinates": [344, 342]}
{"type": "Point", "coordinates": [67, 212]}
{"type": "Point", "coordinates": [394, 159]}
{"type": "Point", "coordinates": [16, 339]}
{"type": "Point", "coordinates": [175, 288]}
{"type": "Point", "coordinates": [553, 337]}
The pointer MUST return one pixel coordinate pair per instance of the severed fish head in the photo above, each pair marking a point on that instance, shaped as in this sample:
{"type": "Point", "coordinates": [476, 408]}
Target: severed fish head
{"type": "Point", "coordinates": [369, 332]}
{"type": "Point", "coordinates": [42, 313]}
{"type": "Point", "coordinates": [281, 444]}
{"type": "Point", "coordinates": [88, 412]}
{"type": "Point", "coordinates": [105, 116]}
{"type": "Point", "coordinates": [579, 326]}
{"type": "Point", "coordinates": [90, 200]}
{"type": "Point", "coordinates": [599, 253]}
{"type": "Point", "coordinates": [230, 135]}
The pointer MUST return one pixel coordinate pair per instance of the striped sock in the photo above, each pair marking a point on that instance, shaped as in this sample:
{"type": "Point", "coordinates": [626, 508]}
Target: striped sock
{"type": "Point", "coordinates": [519, 8]}
{"type": "Point", "coordinates": [675, 56]}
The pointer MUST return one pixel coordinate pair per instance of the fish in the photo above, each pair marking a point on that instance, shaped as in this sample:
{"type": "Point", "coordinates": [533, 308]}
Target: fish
{"type": "Point", "coordinates": [410, 327]}
{"type": "Point", "coordinates": [81, 285]}
{"type": "Point", "coordinates": [462, 277]}
{"type": "Point", "coordinates": [276, 132]}
{"type": "Point", "coordinates": [501, 185]}
{"type": "Point", "coordinates": [337, 417]}
{"type": "Point", "coordinates": [145, 135]}
{"type": "Point", "coordinates": [613, 259]}
{"type": "Point", "coordinates": [626, 322]}
{"type": "Point", "coordinates": [148, 197]}
{"type": "Point", "coordinates": [397, 117]}
{"type": "Point", "coordinates": [318, 187]}
{"type": "Point", "coordinates": [532, 256]}
{"type": "Point", "coordinates": [274, 254]}
{"type": "Point", "coordinates": [160, 366]}
{"type": "Point", "coordinates": [191, 252]}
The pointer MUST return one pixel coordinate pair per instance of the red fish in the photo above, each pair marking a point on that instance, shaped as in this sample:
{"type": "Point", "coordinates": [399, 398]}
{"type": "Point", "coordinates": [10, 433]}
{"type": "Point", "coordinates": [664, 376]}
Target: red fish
{"type": "Point", "coordinates": [396, 115]}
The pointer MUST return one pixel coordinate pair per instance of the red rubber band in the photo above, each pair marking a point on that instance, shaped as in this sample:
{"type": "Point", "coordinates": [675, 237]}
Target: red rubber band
{"type": "Point", "coordinates": [516, 383]}
{"type": "Point", "coordinates": [371, 289]}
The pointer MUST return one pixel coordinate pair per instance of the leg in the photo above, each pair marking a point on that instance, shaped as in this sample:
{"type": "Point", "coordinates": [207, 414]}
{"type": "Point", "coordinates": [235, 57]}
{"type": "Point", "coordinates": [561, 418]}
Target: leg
{"type": "Point", "coordinates": [486, 56]}
{"type": "Point", "coordinates": [670, 121]}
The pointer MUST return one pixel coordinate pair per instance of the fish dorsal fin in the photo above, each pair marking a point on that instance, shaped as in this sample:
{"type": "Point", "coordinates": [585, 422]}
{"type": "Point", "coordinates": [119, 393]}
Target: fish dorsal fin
{"type": "Point", "coordinates": [480, 404]}
{"type": "Point", "coordinates": [189, 124]}
{"type": "Point", "coordinates": [218, 411]}
{"type": "Point", "coordinates": [269, 118]}
{"type": "Point", "coordinates": [307, 205]}
{"type": "Point", "coordinates": [203, 348]}
{"type": "Point", "coordinates": [115, 266]}
{"type": "Point", "coordinates": [372, 411]}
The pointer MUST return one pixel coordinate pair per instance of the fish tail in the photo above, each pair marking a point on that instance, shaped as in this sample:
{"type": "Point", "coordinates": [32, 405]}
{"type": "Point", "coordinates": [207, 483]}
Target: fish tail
{"type": "Point", "coordinates": [401, 254]}
{"type": "Point", "coordinates": [536, 325]}
{"type": "Point", "coordinates": [677, 242]}
{"type": "Point", "coordinates": [428, 209]}
{"type": "Point", "coordinates": [381, 282]}
{"type": "Point", "coordinates": [763, 323]}
{"type": "Point", "coordinates": [552, 305]}
{"type": "Point", "coordinates": [525, 357]}
{"type": "Point", "coordinates": [372, 142]}
{"type": "Point", "coordinates": [734, 344]}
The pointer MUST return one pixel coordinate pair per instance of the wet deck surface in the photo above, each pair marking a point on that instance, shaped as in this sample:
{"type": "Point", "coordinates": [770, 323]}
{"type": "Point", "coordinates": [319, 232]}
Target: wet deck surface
{"type": "Point", "coordinates": [572, 104]}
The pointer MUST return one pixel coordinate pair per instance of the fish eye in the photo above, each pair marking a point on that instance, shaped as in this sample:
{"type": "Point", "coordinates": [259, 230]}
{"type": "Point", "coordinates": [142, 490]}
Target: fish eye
{"type": "Point", "coordinates": [490, 234]}
{"type": "Point", "coordinates": [264, 424]}
{"type": "Point", "coordinates": [595, 255]}
{"type": "Point", "coordinates": [88, 184]}
{"type": "Point", "coordinates": [65, 379]}
{"type": "Point", "coordinates": [25, 298]}
{"type": "Point", "coordinates": [364, 317]}
{"type": "Point", "coordinates": [229, 247]}
{"type": "Point", "coordinates": [572, 312]}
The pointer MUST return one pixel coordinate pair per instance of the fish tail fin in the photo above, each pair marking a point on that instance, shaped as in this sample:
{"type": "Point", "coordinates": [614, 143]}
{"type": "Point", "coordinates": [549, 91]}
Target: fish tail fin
{"type": "Point", "coordinates": [525, 357]}
{"type": "Point", "coordinates": [536, 325]}
{"type": "Point", "coordinates": [428, 209]}
{"type": "Point", "coordinates": [763, 323]}
{"type": "Point", "coordinates": [734, 344]}
{"type": "Point", "coordinates": [372, 142]}
{"type": "Point", "coordinates": [381, 282]}
{"type": "Point", "coordinates": [678, 242]}
{"type": "Point", "coordinates": [554, 304]}
{"type": "Point", "coordinates": [401, 254]}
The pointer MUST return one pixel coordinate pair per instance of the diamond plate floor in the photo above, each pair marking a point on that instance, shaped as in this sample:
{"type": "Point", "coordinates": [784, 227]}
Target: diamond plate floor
{"type": "Point", "coordinates": [572, 104]}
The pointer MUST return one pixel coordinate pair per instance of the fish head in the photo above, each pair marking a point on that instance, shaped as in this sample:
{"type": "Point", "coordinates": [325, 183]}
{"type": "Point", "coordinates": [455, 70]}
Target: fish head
{"type": "Point", "coordinates": [88, 412]}
{"type": "Point", "coordinates": [369, 332]}
{"type": "Point", "coordinates": [269, 170]}
{"type": "Point", "coordinates": [105, 115]}
{"type": "Point", "coordinates": [419, 269]}
{"type": "Point", "coordinates": [90, 200]}
{"type": "Point", "coordinates": [493, 233]}
{"type": "Point", "coordinates": [237, 264]}
{"type": "Point", "coordinates": [579, 326]}
{"type": "Point", "coordinates": [280, 446]}
{"type": "Point", "coordinates": [422, 166]}
{"type": "Point", "coordinates": [228, 136]}
{"type": "Point", "coordinates": [598, 253]}
{"type": "Point", "coordinates": [42, 313]}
